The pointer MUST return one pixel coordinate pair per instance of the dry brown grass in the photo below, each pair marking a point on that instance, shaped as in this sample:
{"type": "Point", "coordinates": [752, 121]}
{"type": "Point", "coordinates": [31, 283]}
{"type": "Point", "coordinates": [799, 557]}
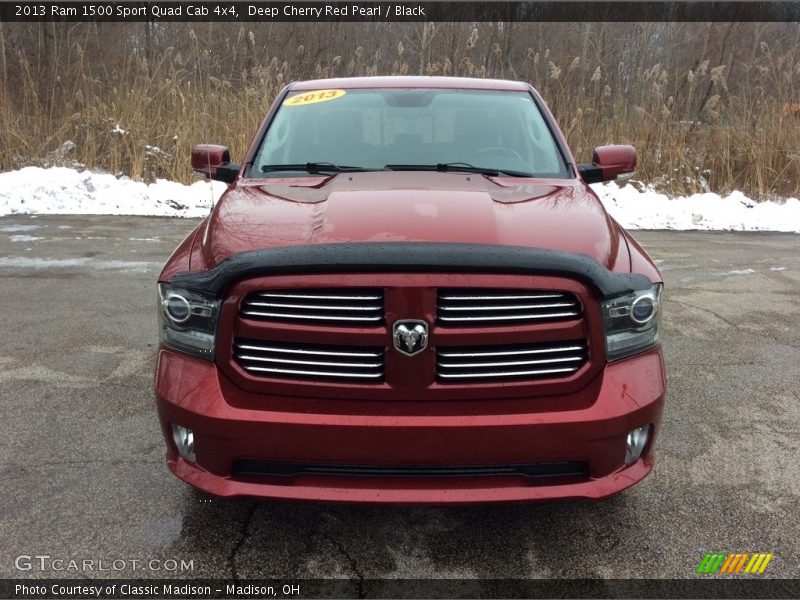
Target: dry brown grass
{"type": "Point", "coordinates": [144, 125]}
{"type": "Point", "coordinates": [691, 130]}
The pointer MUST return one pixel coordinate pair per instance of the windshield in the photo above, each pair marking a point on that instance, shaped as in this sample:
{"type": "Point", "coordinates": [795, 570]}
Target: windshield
{"type": "Point", "coordinates": [409, 129]}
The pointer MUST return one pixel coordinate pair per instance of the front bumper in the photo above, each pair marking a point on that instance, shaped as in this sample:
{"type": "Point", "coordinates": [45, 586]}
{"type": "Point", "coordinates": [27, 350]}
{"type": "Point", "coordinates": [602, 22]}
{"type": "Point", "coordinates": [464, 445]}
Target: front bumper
{"type": "Point", "coordinates": [189, 392]}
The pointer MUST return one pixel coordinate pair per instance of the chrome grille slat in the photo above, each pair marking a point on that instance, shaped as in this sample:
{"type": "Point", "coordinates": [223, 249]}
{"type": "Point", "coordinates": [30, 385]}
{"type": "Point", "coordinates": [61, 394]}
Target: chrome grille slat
{"type": "Point", "coordinates": [515, 363]}
{"type": "Point", "coordinates": [502, 297]}
{"type": "Point", "coordinates": [301, 316]}
{"type": "Point", "coordinates": [487, 353]}
{"type": "Point", "coordinates": [509, 363]}
{"type": "Point", "coordinates": [528, 317]}
{"type": "Point", "coordinates": [343, 308]}
{"type": "Point", "coordinates": [313, 363]}
{"type": "Point", "coordinates": [317, 373]}
{"type": "Point", "coordinates": [471, 307]}
{"type": "Point", "coordinates": [310, 306]}
{"type": "Point", "coordinates": [317, 296]}
{"type": "Point", "coordinates": [319, 352]}
{"type": "Point", "coordinates": [510, 307]}
{"type": "Point", "coordinates": [508, 373]}
{"type": "Point", "coordinates": [309, 361]}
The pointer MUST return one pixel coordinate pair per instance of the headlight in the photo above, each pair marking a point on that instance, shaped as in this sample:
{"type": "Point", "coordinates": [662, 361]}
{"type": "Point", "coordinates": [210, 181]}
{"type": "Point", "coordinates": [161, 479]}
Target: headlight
{"type": "Point", "coordinates": [187, 321]}
{"type": "Point", "coordinates": [631, 322]}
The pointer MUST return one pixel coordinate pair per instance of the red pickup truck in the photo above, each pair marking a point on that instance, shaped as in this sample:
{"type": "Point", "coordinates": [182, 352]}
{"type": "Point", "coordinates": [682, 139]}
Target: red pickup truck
{"type": "Point", "coordinates": [409, 293]}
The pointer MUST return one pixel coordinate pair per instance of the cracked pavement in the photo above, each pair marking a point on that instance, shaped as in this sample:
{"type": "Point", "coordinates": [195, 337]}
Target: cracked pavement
{"type": "Point", "coordinates": [82, 456]}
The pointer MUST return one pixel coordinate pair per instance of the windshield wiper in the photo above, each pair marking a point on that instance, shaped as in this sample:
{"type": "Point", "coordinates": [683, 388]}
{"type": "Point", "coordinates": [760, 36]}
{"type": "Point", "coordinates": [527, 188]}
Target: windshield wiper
{"type": "Point", "coordinates": [458, 167]}
{"type": "Point", "coordinates": [315, 168]}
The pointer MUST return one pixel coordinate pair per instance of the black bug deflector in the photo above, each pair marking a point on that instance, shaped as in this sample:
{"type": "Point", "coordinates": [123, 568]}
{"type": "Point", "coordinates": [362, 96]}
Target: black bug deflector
{"type": "Point", "coordinates": [369, 257]}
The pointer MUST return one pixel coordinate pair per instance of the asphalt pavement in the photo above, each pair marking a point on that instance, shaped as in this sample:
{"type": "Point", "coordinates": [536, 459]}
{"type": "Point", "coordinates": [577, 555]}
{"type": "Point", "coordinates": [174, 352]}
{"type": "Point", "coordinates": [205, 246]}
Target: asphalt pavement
{"type": "Point", "coordinates": [82, 455]}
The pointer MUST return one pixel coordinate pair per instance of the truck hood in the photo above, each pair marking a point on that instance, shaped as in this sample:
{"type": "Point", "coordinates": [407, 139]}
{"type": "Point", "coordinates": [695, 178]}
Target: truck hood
{"type": "Point", "coordinates": [412, 207]}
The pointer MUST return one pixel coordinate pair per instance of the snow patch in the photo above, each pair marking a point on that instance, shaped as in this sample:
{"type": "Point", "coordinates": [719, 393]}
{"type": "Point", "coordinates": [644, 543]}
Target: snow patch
{"type": "Point", "coordinates": [24, 262]}
{"type": "Point", "coordinates": [25, 238]}
{"type": "Point", "coordinates": [740, 272]}
{"type": "Point", "coordinates": [648, 209]}
{"type": "Point", "coordinates": [15, 228]}
{"type": "Point", "coordinates": [62, 191]}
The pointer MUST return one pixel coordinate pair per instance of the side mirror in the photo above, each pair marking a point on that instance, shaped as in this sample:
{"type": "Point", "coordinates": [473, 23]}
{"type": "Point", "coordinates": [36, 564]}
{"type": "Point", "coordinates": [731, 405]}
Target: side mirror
{"type": "Point", "coordinates": [214, 162]}
{"type": "Point", "coordinates": [610, 163]}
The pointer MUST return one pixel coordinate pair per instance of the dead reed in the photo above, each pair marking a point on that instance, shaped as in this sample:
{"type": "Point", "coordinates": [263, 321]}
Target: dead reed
{"type": "Point", "coordinates": [140, 115]}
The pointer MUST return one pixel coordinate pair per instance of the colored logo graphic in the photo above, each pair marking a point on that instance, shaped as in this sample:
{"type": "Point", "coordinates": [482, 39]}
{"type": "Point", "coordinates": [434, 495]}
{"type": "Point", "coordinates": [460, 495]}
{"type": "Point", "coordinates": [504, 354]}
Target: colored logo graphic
{"type": "Point", "coordinates": [738, 563]}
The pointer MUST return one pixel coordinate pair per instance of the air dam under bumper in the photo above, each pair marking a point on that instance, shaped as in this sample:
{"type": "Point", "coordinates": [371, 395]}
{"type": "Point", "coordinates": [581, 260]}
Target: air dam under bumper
{"type": "Point", "coordinates": [189, 393]}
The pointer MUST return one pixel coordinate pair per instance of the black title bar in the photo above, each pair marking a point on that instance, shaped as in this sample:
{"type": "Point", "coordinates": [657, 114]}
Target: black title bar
{"type": "Point", "coordinates": [540, 11]}
{"type": "Point", "coordinates": [201, 589]}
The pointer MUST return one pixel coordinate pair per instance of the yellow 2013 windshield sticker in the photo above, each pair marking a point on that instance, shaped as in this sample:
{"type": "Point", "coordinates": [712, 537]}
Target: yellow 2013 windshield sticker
{"type": "Point", "coordinates": [314, 97]}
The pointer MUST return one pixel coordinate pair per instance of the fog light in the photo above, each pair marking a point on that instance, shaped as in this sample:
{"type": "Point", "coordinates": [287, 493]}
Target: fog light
{"type": "Point", "coordinates": [184, 441]}
{"type": "Point", "coordinates": [637, 439]}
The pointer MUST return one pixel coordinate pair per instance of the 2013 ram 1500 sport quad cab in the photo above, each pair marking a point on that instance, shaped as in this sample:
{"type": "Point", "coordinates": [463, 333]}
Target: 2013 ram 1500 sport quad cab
{"type": "Point", "coordinates": [409, 293]}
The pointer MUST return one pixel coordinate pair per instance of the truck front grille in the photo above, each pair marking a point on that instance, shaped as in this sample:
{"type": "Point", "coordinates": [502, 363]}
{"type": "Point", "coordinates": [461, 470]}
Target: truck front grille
{"type": "Point", "coordinates": [305, 361]}
{"type": "Point", "coordinates": [497, 363]}
{"type": "Point", "coordinates": [313, 337]}
{"type": "Point", "coordinates": [463, 307]}
{"type": "Point", "coordinates": [345, 307]}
